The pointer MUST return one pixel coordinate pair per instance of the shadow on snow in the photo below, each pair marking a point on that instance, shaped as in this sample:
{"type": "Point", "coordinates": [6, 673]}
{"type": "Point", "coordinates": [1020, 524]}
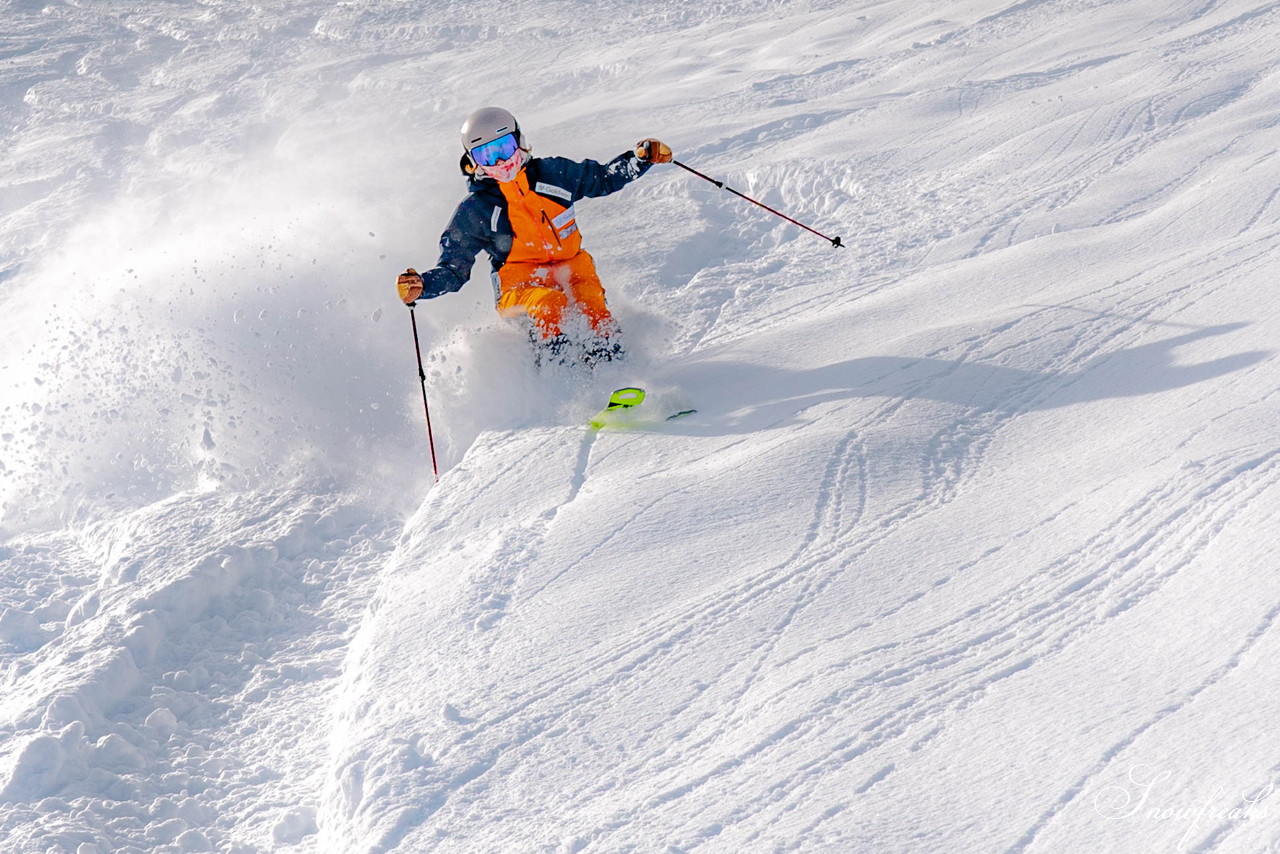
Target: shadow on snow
{"type": "Point", "coordinates": [752, 396]}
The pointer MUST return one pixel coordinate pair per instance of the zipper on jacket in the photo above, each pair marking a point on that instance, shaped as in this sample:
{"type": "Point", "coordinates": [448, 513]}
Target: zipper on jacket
{"type": "Point", "coordinates": [551, 226]}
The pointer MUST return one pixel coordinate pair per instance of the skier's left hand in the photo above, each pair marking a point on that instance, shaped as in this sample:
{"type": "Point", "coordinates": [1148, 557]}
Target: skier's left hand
{"type": "Point", "coordinates": [409, 284]}
{"type": "Point", "coordinates": [653, 151]}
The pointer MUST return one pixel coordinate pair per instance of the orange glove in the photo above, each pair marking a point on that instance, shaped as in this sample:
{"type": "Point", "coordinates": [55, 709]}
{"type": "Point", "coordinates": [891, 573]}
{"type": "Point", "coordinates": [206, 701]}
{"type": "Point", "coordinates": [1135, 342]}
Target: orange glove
{"type": "Point", "coordinates": [410, 286]}
{"type": "Point", "coordinates": [653, 151]}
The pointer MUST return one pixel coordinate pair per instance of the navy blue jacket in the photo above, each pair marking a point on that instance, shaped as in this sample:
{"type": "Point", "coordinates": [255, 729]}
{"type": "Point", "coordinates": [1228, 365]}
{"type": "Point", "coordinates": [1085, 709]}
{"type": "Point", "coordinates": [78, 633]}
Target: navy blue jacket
{"type": "Point", "coordinates": [481, 221]}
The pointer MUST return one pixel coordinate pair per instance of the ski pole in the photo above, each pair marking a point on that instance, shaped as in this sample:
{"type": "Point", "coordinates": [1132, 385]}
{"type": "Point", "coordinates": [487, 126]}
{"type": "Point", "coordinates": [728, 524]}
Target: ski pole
{"type": "Point", "coordinates": [834, 241]}
{"type": "Point", "coordinates": [422, 377]}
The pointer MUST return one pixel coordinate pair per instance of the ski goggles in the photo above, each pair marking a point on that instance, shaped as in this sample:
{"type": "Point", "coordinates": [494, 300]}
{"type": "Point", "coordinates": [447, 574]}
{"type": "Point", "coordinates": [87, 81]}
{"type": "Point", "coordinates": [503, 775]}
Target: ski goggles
{"type": "Point", "coordinates": [493, 153]}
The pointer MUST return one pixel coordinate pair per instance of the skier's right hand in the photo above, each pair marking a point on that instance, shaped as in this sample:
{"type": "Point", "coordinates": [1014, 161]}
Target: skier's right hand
{"type": "Point", "coordinates": [410, 286]}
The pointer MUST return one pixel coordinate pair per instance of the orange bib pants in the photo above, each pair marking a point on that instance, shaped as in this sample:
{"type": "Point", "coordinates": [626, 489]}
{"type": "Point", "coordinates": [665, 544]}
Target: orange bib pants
{"type": "Point", "coordinates": [547, 271]}
{"type": "Point", "coordinates": [544, 290]}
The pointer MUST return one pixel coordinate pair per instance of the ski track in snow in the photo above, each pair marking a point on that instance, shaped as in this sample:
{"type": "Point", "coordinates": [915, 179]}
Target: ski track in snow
{"type": "Point", "coordinates": [965, 531]}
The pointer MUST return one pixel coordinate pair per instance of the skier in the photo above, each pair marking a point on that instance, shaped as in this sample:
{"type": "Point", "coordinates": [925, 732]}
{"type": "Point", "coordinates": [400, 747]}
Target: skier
{"type": "Point", "coordinates": [519, 209]}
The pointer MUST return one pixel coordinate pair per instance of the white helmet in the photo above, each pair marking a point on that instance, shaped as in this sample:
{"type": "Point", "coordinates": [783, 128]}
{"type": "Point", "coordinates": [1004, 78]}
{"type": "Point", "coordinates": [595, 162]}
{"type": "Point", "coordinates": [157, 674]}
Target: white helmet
{"type": "Point", "coordinates": [487, 124]}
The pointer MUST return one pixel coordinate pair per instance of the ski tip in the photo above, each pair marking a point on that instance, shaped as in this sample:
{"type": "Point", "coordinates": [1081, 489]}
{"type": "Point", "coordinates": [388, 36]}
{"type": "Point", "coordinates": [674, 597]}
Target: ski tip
{"type": "Point", "coordinates": [625, 398]}
{"type": "Point", "coordinates": [623, 412]}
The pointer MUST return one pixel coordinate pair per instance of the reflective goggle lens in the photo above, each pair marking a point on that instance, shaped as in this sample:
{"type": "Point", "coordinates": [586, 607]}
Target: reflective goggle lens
{"type": "Point", "coordinates": [493, 153]}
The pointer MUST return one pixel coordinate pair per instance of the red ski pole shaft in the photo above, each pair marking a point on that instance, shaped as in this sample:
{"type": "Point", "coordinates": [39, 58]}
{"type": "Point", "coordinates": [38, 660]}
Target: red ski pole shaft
{"type": "Point", "coordinates": [422, 377]}
{"type": "Point", "coordinates": [834, 241]}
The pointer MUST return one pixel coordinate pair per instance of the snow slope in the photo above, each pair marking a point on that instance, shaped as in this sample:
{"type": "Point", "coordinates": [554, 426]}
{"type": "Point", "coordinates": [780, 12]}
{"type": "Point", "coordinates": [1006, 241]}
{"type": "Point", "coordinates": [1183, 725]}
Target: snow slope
{"type": "Point", "coordinates": [968, 548]}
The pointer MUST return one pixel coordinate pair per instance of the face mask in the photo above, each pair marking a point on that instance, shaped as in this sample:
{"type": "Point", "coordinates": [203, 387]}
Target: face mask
{"type": "Point", "coordinates": [507, 170]}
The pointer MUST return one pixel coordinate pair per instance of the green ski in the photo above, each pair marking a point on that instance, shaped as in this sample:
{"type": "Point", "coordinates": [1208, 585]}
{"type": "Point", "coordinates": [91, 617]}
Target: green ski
{"type": "Point", "coordinates": [622, 399]}
{"type": "Point", "coordinates": [618, 413]}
